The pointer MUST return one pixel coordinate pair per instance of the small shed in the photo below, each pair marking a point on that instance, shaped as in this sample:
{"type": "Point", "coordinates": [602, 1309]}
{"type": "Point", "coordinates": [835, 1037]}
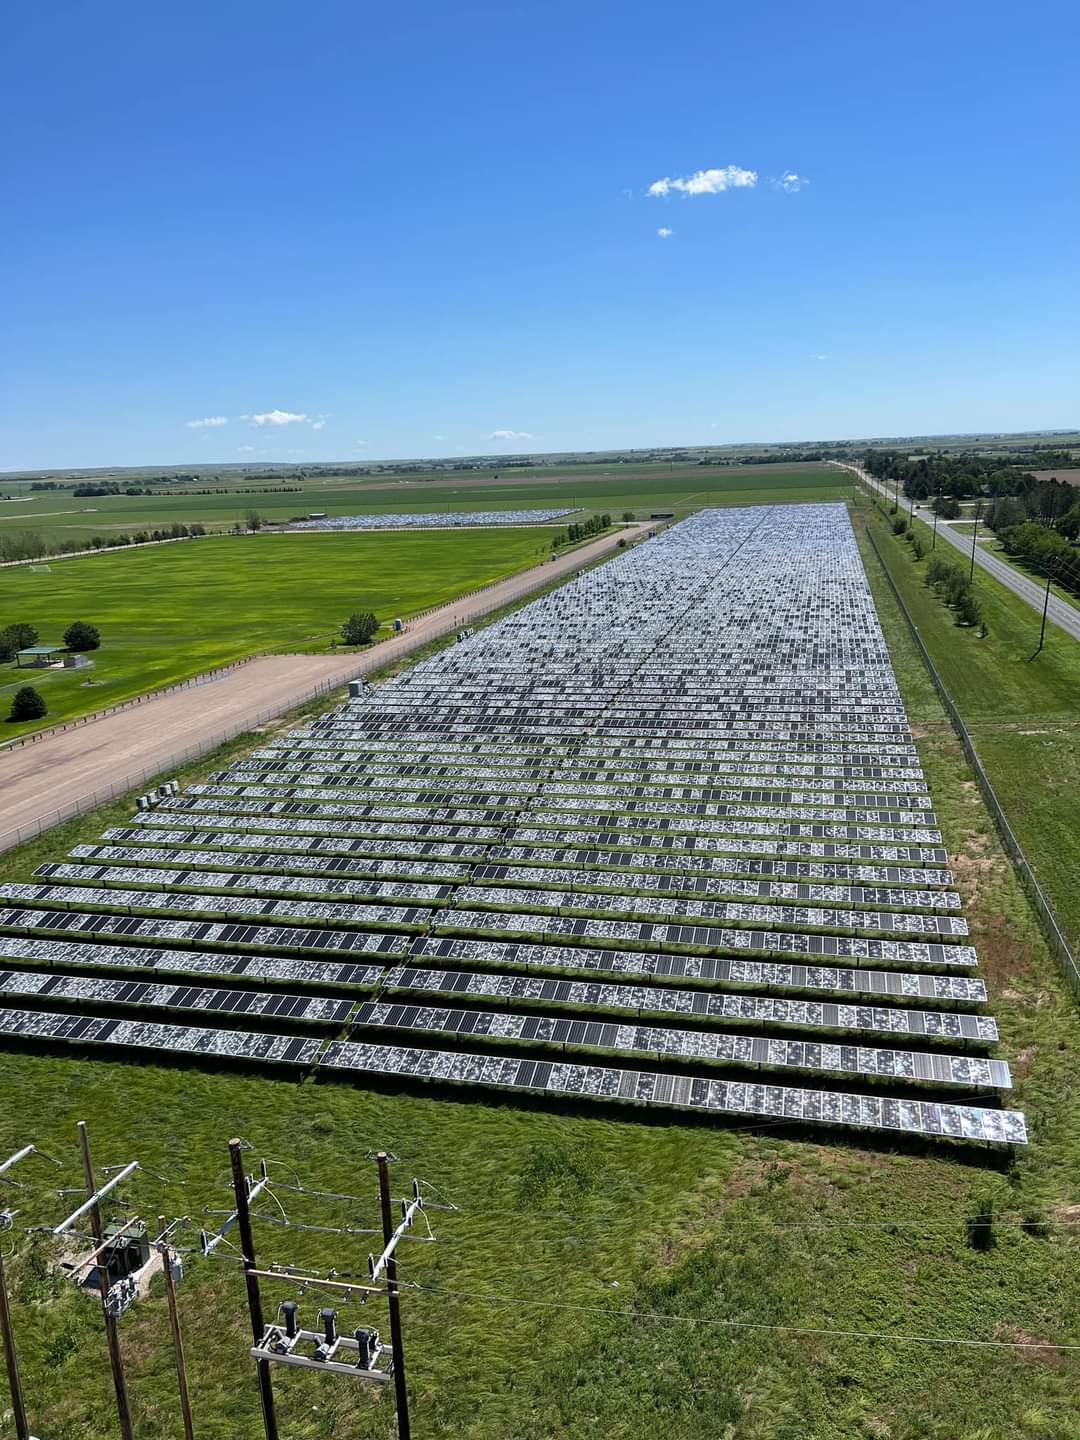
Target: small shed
{"type": "Point", "coordinates": [38, 657]}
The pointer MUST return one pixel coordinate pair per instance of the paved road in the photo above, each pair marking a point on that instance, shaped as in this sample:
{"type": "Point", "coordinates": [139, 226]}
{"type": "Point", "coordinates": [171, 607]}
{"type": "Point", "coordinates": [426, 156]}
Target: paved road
{"type": "Point", "coordinates": [1059, 611]}
{"type": "Point", "coordinates": [75, 770]}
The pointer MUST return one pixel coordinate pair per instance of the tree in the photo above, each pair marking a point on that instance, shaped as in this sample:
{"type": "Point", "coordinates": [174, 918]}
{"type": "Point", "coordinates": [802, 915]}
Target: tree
{"type": "Point", "coordinates": [15, 638]}
{"type": "Point", "coordinates": [629, 515]}
{"type": "Point", "coordinates": [81, 636]}
{"type": "Point", "coordinates": [359, 629]}
{"type": "Point", "coordinates": [28, 704]}
{"type": "Point", "coordinates": [968, 610]}
{"type": "Point", "coordinates": [253, 520]}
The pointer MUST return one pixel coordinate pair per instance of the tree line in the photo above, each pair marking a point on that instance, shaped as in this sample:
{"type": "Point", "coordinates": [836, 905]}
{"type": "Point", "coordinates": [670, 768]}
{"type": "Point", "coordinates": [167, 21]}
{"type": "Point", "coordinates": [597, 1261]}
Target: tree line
{"type": "Point", "coordinates": [596, 525]}
{"type": "Point", "coordinates": [30, 545]}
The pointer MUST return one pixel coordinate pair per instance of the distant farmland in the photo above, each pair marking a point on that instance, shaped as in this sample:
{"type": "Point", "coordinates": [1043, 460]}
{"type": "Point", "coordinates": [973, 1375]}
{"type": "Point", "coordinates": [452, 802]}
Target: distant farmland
{"type": "Point", "coordinates": [59, 516]}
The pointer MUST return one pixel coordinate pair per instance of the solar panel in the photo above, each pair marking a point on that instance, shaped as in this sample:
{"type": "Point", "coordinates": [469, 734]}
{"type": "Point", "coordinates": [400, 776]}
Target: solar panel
{"type": "Point", "coordinates": [646, 813]}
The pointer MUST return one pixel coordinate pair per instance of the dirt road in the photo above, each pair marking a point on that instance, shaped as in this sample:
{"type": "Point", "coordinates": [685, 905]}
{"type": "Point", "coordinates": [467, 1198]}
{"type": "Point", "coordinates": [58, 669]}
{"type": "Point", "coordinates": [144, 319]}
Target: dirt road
{"type": "Point", "coordinates": [75, 770]}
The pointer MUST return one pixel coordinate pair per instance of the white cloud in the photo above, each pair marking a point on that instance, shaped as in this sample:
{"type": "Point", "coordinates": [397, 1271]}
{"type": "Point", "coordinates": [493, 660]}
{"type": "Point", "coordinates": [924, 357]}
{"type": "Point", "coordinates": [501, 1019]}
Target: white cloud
{"type": "Point", "coordinates": [706, 182]}
{"type": "Point", "coordinates": [510, 435]}
{"type": "Point", "coordinates": [320, 422]}
{"type": "Point", "coordinates": [209, 422]}
{"type": "Point", "coordinates": [791, 183]}
{"type": "Point", "coordinates": [246, 449]}
{"type": "Point", "coordinates": [821, 357]}
{"type": "Point", "coordinates": [665, 233]}
{"type": "Point", "coordinates": [359, 444]}
{"type": "Point", "coordinates": [438, 437]}
{"type": "Point", "coordinates": [276, 417]}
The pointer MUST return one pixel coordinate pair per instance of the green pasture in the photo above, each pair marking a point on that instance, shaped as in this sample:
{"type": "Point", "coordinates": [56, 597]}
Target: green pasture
{"type": "Point", "coordinates": [167, 612]}
{"type": "Point", "coordinates": [615, 488]}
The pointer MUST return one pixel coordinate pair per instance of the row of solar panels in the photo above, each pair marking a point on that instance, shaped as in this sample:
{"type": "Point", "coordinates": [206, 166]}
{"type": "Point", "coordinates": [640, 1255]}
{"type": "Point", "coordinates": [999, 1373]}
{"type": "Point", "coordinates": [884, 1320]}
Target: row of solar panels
{"type": "Point", "coordinates": [356, 836]}
{"type": "Point", "coordinates": [754, 1102]}
{"type": "Point", "coordinates": [523, 958]}
{"type": "Point", "coordinates": [159, 863]}
{"type": "Point", "coordinates": [600, 895]}
{"type": "Point", "coordinates": [664, 1042]}
{"type": "Point", "coordinates": [385, 856]}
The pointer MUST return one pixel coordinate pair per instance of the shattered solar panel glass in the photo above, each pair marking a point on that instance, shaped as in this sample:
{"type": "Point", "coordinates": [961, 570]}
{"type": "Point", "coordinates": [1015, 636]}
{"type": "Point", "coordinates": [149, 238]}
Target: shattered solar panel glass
{"type": "Point", "coordinates": [644, 814]}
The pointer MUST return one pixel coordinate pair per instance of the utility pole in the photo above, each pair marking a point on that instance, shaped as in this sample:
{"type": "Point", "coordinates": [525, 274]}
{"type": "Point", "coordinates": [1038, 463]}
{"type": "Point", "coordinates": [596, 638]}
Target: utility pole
{"type": "Point", "coordinates": [247, 1246]}
{"type": "Point", "coordinates": [974, 537]}
{"type": "Point", "coordinates": [174, 1325]}
{"type": "Point", "coordinates": [112, 1329]}
{"type": "Point", "coordinates": [7, 1331]}
{"type": "Point", "coordinates": [401, 1393]}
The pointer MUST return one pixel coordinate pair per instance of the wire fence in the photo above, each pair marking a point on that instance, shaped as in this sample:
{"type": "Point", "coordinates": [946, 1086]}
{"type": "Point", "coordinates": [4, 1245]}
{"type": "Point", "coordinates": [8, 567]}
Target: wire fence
{"type": "Point", "coordinates": [206, 678]}
{"type": "Point", "coordinates": [1048, 920]}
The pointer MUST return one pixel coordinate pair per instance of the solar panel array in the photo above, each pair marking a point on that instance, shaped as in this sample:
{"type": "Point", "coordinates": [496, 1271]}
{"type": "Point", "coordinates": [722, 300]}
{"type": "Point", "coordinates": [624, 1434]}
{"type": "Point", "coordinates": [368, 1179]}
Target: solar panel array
{"type": "Point", "coordinates": [669, 814]}
{"type": "Point", "coordinates": [435, 520]}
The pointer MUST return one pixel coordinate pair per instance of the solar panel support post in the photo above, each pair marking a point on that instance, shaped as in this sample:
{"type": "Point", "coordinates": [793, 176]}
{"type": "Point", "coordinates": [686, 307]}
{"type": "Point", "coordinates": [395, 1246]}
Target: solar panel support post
{"type": "Point", "coordinates": [112, 1324]}
{"type": "Point", "coordinates": [247, 1247]}
{"type": "Point", "coordinates": [11, 1359]}
{"type": "Point", "coordinates": [174, 1326]}
{"type": "Point", "coordinates": [397, 1348]}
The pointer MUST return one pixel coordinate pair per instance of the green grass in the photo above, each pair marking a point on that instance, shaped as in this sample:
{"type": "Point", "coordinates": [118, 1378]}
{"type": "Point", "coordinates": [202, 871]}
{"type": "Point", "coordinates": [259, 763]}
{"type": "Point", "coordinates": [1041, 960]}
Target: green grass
{"type": "Point", "coordinates": [1023, 714]}
{"type": "Point", "coordinates": [168, 612]}
{"type": "Point", "coordinates": [614, 488]}
{"type": "Point", "coordinates": [568, 1216]}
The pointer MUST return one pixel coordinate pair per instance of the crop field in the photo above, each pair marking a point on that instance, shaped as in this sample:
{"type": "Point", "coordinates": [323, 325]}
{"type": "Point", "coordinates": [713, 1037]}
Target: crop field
{"type": "Point", "coordinates": [58, 516]}
{"type": "Point", "coordinates": [647, 1276]}
{"type": "Point", "coordinates": [167, 612]}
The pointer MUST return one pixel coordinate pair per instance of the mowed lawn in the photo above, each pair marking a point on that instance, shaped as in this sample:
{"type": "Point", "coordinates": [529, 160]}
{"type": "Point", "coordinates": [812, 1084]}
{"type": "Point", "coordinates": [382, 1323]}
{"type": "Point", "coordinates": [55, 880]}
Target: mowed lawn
{"type": "Point", "coordinates": [167, 612]}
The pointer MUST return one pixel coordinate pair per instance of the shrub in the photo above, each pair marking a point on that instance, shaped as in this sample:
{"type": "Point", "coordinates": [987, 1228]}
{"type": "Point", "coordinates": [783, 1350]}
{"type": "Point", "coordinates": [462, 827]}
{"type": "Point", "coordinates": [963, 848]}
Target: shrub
{"type": "Point", "coordinates": [957, 585]}
{"type": "Point", "coordinates": [359, 629]}
{"type": "Point", "coordinates": [81, 636]}
{"type": "Point", "coordinates": [980, 1225]}
{"type": "Point", "coordinates": [28, 704]}
{"type": "Point", "coordinates": [968, 610]}
{"type": "Point", "coordinates": [918, 545]}
{"type": "Point", "coordinates": [899, 525]}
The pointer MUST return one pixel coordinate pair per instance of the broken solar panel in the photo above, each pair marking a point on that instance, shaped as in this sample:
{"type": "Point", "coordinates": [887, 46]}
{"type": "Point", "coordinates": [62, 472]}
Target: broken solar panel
{"type": "Point", "coordinates": [958, 1121]}
{"type": "Point", "coordinates": [644, 775]}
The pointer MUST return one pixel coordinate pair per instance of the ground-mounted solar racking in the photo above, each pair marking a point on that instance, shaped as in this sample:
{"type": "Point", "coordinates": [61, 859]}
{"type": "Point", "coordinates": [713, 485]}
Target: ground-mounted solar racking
{"type": "Point", "coordinates": [669, 815]}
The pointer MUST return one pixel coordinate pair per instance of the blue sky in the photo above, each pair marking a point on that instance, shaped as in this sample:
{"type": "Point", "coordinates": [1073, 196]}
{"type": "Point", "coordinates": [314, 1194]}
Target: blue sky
{"type": "Point", "coordinates": [345, 230]}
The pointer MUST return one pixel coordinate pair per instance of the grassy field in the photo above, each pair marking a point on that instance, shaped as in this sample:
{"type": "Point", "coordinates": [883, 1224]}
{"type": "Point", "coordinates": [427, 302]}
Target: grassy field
{"type": "Point", "coordinates": [59, 516]}
{"type": "Point", "coordinates": [170, 611]}
{"type": "Point", "coordinates": [607, 1275]}
{"type": "Point", "coordinates": [1023, 714]}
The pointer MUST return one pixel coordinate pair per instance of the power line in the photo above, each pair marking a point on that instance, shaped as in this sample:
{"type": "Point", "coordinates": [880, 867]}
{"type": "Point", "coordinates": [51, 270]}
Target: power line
{"type": "Point", "coordinates": [803, 1330]}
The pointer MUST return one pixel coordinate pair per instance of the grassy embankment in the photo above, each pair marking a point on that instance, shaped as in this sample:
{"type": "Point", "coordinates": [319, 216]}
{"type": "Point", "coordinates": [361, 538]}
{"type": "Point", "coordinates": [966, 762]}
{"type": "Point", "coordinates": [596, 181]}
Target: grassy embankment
{"type": "Point", "coordinates": [569, 1217]}
{"type": "Point", "coordinates": [171, 611]}
{"type": "Point", "coordinates": [1023, 714]}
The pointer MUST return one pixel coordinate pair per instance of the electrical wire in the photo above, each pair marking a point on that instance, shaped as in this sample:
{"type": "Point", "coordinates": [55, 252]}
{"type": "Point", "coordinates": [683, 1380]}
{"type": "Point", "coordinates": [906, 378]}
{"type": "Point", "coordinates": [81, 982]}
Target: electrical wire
{"type": "Point", "coordinates": [817, 1332]}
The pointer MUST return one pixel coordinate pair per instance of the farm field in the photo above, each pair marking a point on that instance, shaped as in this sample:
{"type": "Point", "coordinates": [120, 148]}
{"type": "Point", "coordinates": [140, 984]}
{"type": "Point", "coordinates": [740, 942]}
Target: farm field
{"type": "Point", "coordinates": [167, 612]}
{"type": "Point", "coordinates": [1023, 714]}
{"type": "Point", "coordinates": [57, 516]}
{"type": "Point", "coordinates": [560, 1298]}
